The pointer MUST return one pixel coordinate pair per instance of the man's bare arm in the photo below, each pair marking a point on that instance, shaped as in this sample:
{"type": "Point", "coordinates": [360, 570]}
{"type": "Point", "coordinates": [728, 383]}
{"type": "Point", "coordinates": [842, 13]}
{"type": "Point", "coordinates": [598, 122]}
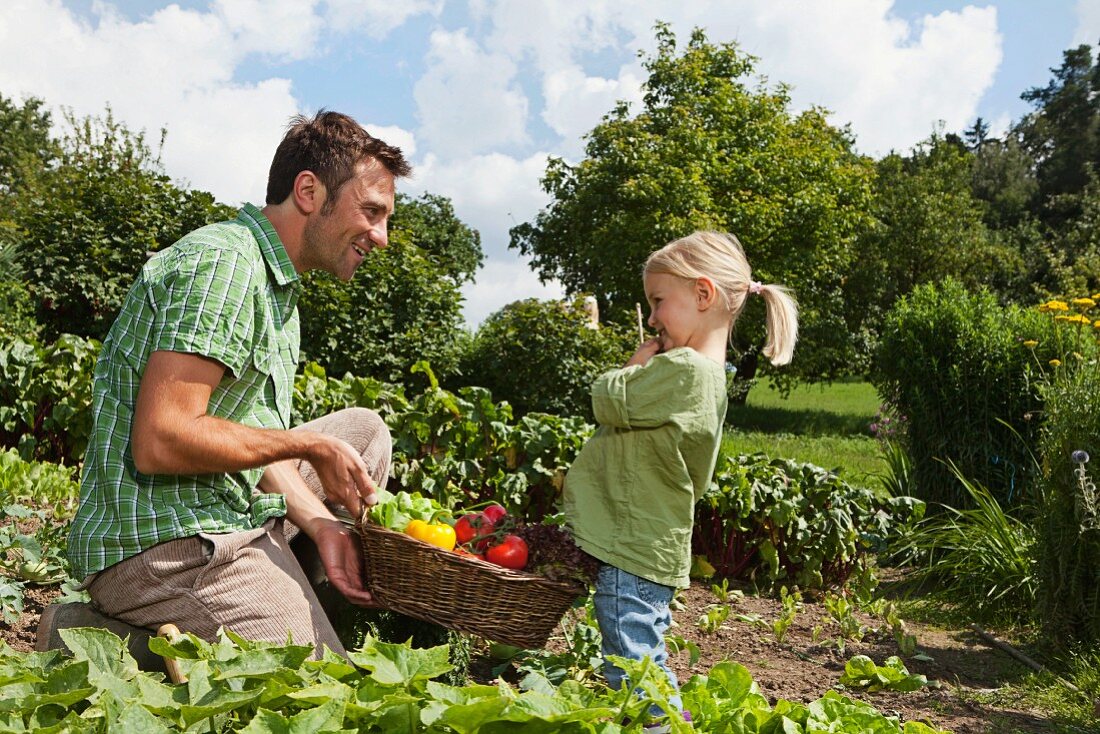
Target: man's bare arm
{"type": "Point", "coordinates": [172, 433]}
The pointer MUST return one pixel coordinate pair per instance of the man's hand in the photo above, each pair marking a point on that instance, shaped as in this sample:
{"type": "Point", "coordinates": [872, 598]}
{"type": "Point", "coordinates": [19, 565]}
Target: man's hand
{"type": "Point", "coordinates": [343, 474]}
{"type": "Point", "coordinates": [338, 547]}
{"type": "Point", "coordinates": [645, 352]}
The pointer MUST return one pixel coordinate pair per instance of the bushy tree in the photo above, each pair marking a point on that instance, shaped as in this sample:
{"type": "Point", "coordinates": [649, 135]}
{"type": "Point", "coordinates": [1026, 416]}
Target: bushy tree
{"type": "Point", "coordinates": [429, 222]}
{"type": "Point", "coordinates": [85, 225]}
{"type": "Point", "coordinates": [1063, 133]}
{"type": "Point", "coordinates": [25, 141]}
{"type": "Point", "coordinates": [542, 356]}
{"type": "Point", "coordinates": [929, 227]}
{"type": "Point", "coordinates": [403, 305]}
{"type": "Point", "coordinates": [707, 150]}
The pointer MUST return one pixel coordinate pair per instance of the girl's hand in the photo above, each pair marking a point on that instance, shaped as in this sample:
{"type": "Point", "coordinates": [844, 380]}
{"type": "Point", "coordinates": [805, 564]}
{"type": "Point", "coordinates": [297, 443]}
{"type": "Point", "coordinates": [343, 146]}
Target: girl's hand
{"type": "Point", "coordinates": [645, 352]}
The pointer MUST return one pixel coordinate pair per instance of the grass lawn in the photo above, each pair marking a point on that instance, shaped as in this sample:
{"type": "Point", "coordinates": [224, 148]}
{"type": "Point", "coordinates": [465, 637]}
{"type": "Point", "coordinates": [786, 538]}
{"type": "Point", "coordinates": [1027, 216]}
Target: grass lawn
{"type": "Point", "coordinates": [825, 425]}
{"type": "Point", "coordinates": [855, 457]}
{"type": "Point", "coordinates": [842, 408]}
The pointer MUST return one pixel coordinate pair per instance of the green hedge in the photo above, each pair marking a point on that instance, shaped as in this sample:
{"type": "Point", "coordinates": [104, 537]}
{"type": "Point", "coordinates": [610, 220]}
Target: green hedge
{"type": "Point", "coordinates": [953, 364]}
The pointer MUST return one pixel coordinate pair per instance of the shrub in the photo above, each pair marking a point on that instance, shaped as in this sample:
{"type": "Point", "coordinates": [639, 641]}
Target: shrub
{"type": "Point", "coordinates": [540, 356]}
{"type": "Point", "coordinates": [952, 364]}
{"type": "Point", "coordinates": [400, 308]}
{"type": "Point", "coordinates": [85, 226]}
{"type": "Point", "coordinates": [1069, 530]}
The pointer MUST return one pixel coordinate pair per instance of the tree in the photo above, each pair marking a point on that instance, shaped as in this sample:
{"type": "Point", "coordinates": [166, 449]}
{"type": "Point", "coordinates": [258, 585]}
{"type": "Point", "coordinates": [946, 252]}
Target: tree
{"type": "Point", "coordinates": [708, 151]}
{"type": "Point", "coordinates": [432, 226]}
{"type": "Point", "coordinates": [403, 305]}
{"type": "Point", "coordinates": [929, 227]}
{"type": "Point", "coordinates": [24, 140]}
{"type": "Point", "coordinates": [84, 226]}
{"type": "Point", "coordinates": [1063, 133]}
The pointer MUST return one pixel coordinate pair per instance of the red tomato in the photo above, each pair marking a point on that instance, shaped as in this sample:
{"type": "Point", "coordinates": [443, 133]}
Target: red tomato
{"type": "Point", "coordinates": [510, 553]}
{"type": "Point", "coordinates": [493, 513]}
{"type": "Point", "coordinates": [467, 527]}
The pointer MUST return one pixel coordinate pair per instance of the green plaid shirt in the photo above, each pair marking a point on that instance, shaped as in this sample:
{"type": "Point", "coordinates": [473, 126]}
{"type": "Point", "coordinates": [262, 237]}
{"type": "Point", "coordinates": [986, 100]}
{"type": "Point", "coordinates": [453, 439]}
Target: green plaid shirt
{"type": "Point", "coordinates": [229, 292]}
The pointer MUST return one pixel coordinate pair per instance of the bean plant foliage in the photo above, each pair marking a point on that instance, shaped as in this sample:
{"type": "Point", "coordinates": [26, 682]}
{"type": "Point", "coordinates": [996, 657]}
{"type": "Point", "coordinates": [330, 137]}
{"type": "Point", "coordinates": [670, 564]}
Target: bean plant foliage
{"type": "Point", "coordinates": [238, 685]}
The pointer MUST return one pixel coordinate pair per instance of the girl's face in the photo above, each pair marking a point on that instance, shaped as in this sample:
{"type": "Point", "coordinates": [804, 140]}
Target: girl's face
{"type": "Point", "coordinates": [677, 309]}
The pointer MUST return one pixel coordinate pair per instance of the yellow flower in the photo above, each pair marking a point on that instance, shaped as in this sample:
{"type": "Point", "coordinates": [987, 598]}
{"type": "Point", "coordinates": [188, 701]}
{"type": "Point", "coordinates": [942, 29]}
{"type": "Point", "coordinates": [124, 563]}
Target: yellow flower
{"type": "Point", "coordinates": [1057, 305]}
{"type": "Point", "coordinates": [1063, 317]}
{"type": "Point", "coordinates": [1055, 363]}
{"type": "Point", "coordinates": [1031, 343]}
{"type": "Point", "coordinates": [1096, 324]}
{"type": "Point", "coordinates": [1078, 319]}
{"type": "Point", "coordinates": [1084, 303]}
{"type": "Point", "coordinates": [1096, 296]}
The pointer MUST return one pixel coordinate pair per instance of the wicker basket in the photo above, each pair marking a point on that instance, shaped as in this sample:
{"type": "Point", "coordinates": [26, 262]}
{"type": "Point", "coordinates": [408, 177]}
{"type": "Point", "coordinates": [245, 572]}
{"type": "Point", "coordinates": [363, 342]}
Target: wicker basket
{"type": "Point", "coordinates": [462, 593]}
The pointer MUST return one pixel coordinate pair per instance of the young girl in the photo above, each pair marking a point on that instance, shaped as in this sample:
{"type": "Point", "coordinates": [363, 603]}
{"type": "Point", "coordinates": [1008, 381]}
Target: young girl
{"type": "Point", "coordinates": [631, 493]}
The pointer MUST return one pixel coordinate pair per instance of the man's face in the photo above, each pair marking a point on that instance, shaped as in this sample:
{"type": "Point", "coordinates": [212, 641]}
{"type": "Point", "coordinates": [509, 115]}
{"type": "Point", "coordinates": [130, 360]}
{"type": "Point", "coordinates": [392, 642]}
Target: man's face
{"type": "Point", "coordinates": [338, 239]}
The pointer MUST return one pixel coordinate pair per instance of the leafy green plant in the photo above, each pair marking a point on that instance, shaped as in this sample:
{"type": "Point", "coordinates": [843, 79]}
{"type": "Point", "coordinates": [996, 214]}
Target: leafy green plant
{"type": "Point", "coordinates": [677, 644]}
{"type": "Point", "coordinates": [238, 685]}
{"type": "Point", "coordinates": [841, 609]}
{"type": "Point", "coordinates": [792, 604]}
{"type": "Point", "coordinates": [792, 522]}
{"type": "Point", "coordinates": [861, 672]}
{"type": "Point", "coordinates": [46, 397]}
{"type": "Point", "coordinates": [713, 618]}
{"type": "Point", "coordinates": [581, 659]}
{"type": "Point", "coordinates": [983, 559]}
{"type": "Point", "coordinates": [724, 594]}
{"type": "Point", "coordinates": [11, 600]}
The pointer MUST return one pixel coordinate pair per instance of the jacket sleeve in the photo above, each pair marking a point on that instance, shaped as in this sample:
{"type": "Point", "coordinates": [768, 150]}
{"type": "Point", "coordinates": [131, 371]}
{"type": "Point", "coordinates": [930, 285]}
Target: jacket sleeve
{"type": "Point", "coordinates": [643, 396]}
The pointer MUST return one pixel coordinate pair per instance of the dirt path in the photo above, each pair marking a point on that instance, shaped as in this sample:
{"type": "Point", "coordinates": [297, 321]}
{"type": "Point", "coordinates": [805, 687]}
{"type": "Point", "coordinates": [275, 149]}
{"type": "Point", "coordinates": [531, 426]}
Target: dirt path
{"type": "Point", "coordinates": [801, 669]}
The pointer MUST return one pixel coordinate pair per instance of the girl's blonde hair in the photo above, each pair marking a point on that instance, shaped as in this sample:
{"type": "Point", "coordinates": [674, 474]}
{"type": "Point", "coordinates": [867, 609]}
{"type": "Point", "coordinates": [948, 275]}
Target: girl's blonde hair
{"type": "Point", "coordinates": [719, 257]}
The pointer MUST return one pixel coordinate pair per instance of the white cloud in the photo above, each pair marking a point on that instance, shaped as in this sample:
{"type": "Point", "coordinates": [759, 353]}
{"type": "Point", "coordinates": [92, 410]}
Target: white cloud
{"type": "Point", "coordinates": [376, 17]}
{"type": "Point", "coordinates": [281, 28]}
{"type": "Point", "coordinates": [172, 69]}
{"type": "Point", "coordinates": [892, 80]}
{"type": "Point", "coordinates": [468, 100]}
{"type": "Point", "coordinates": [491, 193]}
{"type": "Point", "coordinates": [500, 282]}
{"type": "Point", "coordinates": [576, 102]}
{"type": "Point", "coordinates": [1088, 22]}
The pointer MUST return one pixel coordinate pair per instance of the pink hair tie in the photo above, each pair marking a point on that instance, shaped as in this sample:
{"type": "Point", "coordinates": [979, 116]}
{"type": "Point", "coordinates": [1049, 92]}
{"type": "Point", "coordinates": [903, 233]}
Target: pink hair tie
{"type": "Point", "coordinates": [755, 288]}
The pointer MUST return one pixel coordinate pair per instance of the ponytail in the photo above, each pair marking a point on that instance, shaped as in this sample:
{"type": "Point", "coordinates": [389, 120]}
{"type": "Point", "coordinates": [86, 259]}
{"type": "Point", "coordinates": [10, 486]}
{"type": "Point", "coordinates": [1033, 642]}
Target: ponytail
{"type": "Point", "coordinates": [781, 323]}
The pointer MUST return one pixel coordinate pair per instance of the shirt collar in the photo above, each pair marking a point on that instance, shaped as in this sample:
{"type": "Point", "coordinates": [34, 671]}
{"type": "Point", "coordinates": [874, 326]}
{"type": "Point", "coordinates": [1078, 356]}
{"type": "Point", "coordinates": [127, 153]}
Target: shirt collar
{"type": "Point", "coordinates": [278, 262]}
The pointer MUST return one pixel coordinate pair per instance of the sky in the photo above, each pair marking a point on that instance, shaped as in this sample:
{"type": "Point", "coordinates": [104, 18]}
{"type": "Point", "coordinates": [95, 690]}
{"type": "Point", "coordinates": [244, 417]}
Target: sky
{"type": "Point", "coordinates": [479, 93]}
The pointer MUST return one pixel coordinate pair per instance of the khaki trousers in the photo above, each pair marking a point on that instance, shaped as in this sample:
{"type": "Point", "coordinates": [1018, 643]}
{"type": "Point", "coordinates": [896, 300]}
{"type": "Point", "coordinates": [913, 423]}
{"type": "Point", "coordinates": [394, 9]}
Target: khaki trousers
{"type": "Point", "coordinates": [250, 582]}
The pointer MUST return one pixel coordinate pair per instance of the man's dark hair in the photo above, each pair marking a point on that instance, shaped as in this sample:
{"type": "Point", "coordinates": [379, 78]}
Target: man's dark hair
{"type": "Point", "coordinates": [330, 144]}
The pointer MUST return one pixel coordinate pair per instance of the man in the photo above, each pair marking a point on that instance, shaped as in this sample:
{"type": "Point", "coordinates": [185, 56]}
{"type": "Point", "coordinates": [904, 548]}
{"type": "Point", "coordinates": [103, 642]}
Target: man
{"type": "Point", "coordinates": [193, 480]}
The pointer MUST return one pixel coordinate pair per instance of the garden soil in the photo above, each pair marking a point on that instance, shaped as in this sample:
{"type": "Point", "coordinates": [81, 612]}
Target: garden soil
{"type": "Point", "coordinates": [965, 672]}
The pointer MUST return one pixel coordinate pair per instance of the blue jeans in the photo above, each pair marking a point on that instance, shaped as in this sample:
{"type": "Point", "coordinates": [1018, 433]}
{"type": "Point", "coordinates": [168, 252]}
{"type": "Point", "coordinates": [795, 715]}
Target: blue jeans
{"type": "Point", "coordinates": [633, 616]}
